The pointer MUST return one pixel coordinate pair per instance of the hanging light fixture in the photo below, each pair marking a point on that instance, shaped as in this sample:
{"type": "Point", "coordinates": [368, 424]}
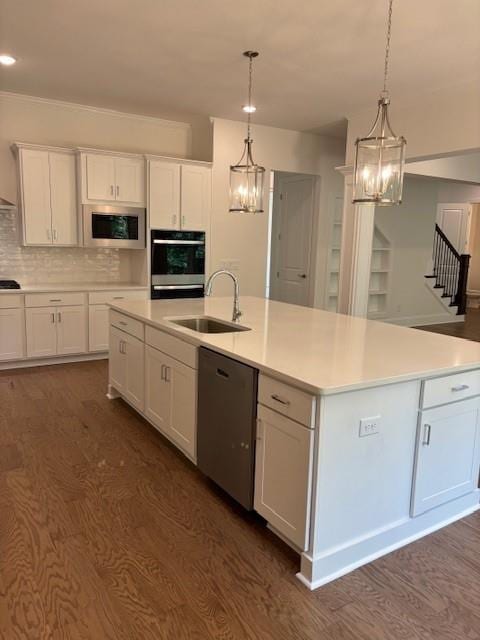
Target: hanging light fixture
{"type": "Point", "coordinates": [380, 156]}
{"type": "Point", "coordinates": [246, 177]}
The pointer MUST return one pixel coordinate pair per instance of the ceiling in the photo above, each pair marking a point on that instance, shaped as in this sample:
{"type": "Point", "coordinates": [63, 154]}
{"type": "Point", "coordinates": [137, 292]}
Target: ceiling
{"type": "Point", "coordinates": [319, 60]}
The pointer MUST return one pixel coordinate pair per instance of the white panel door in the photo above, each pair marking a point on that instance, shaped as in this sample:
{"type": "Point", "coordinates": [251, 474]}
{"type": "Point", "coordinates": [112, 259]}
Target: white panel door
{"type": "Point", "coordinates": [130, 181]}
{"type": "Point", "coordinates": [63, 189]}
{"type": "Point", "coordinates": [292, 243]}
{"type": "Point", "coordinates": [447, 455]}
{"type": "Point", "coordinates": [71, 329]}
{"type": "Point", "coordinates": [37, 212]}
{"type": "Point", "coordinates": [98, 327]}
{"type": "Point", "coordinates": [164, 195]}
{"type": "Point", "coordinates": [117, 360]}
{"type": "Point", "coordinates": [135, 377]}
{"type": "Point", "coordinates": [183, 393]}
{"type": "Point", "coordinates": [195, 197]}
{"type": "Point", "coordinates": [100, 177]}
{"type": "Point", "coordinates": [157, 389]}
{"type": "Point", "coordinates": [12, 334]}
{"type": "Point", "coordinates": [283, 475]}
{"type": "Point", "coordinates": [41, 331]}
{"type": "Point", "coordinates": [454, 221]}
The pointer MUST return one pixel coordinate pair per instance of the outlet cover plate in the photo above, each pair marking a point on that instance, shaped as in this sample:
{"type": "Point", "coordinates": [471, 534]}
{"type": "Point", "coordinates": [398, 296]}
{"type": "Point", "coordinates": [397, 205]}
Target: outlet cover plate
{"type": "Point", "coordinates": [369, 426]}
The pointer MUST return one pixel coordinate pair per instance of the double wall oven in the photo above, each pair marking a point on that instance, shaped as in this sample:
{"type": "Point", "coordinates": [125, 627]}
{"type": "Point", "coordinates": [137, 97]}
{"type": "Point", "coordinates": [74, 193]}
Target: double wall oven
{"type": "Point", "coordinates": [177, 264]}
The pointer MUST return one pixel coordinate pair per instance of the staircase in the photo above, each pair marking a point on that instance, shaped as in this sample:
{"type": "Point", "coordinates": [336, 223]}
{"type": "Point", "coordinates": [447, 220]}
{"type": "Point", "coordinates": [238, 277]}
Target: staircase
{"type": "Point", "coordinates": [448, 280]}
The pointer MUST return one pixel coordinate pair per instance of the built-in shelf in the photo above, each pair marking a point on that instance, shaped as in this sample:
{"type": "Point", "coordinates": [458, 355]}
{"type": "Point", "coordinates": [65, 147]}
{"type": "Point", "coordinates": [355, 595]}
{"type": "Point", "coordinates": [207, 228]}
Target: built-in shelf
{"type": "Point", "coordinates": [379, 275]}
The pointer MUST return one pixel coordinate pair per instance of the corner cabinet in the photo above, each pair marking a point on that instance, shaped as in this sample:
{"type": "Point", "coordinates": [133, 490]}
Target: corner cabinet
{"type": "Point", "coordinates": [48, 196]}
{"type": "Point", "coordinates": [179, 195]}
{"type": "Point", "coordinates": [109, 178]}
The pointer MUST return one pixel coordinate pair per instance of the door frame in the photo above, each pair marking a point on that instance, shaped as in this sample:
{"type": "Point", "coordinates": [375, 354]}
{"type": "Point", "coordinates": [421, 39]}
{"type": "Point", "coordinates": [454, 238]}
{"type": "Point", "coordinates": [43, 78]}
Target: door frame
{"type": "Point", "coordinates": [275, 245]}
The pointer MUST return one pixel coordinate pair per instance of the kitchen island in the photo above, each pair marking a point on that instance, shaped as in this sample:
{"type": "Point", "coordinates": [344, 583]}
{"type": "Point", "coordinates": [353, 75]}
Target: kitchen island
{"type": "Point", "coordinates": [367, 433]}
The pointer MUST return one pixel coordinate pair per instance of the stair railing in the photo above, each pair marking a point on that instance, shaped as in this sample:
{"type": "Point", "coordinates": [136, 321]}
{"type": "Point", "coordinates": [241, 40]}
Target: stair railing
{"type": "Point", "coordinates": [450, 269]}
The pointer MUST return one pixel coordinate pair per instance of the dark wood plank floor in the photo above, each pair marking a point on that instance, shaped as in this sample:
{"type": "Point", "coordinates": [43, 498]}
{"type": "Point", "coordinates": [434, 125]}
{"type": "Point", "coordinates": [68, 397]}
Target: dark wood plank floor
{"type": "Point", "coordinates": [106, 532]}
{"type": "Point", "coordinates": [470, 329]}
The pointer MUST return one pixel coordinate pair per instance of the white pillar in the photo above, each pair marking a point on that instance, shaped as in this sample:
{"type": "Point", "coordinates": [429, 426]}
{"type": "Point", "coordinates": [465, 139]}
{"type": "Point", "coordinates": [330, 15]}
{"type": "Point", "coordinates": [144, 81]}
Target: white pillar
{"type": "Point", "coordinates": [356, 252]}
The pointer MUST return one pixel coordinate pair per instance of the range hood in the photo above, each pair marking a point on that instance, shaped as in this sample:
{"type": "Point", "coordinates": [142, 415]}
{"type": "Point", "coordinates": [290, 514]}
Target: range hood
{"type": "Point", "coordinates": [5, 205]}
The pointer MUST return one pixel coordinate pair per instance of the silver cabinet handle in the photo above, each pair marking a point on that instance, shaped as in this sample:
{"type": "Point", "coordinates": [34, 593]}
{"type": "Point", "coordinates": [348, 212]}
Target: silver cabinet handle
{"type": "Point", "coordinates": [167, 374]}
{"type": "Point", "coordinates": [118, 190]}
{"type": "Point", "coordinates": [59, 315]}
{"type": "Point", "coordinates": [124, 324]}
{"type": "Point", "coordinates": [279, 399]}
{"type": "Point", "coordinates": [174, 219]}
{"type": "Point", "coordinates": [49, 234]}
{"type": "Point", "coordinates": [55, 300]}
{"type": "Point", "coordinates": [183, 221]}
{"type": "Point", "coordinates": [55, 235]}
{"type": "Point", "coordinates": [118, 297]}
{"type": "Point", "coordinates": [52, 317]}
{"type": "Point", "coordinates": [162, 372]}
{"type": "Point", "coordinates": [111, 190]}
{"type": "Point", "coordinates": [427, 429]}
{"type": "Point", "coordinates": [258, 437]}
{"type": "Point", "coordinates": [460, 387]}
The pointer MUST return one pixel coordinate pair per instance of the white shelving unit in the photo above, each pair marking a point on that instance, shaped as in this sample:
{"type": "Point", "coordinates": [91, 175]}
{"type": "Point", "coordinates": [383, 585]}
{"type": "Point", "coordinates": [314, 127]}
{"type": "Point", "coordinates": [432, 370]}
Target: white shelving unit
{"type": "Point", "coordinates": [334, 258]}
{"type": "Point", "coordinates": [379, 275]}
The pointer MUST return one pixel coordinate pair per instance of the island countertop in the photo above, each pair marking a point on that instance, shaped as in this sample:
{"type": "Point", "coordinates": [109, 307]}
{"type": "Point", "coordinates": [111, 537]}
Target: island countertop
{"type": "Point", "coordinates": [319, 351]}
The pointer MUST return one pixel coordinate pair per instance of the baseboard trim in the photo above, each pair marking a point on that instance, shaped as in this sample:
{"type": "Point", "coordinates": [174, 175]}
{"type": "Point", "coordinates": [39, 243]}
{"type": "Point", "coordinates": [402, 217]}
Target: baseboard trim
{"type": "Point", "coordinates": [42, 362]}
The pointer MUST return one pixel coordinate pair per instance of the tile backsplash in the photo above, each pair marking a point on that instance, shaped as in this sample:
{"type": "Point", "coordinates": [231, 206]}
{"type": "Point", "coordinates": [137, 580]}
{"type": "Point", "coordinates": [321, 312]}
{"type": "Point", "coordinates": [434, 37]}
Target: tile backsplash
{"type": "Point", "coordinates": [38, 265]}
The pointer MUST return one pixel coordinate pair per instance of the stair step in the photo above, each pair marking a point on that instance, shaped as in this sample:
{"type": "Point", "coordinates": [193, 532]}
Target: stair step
{"type": "Point", "coordinates": [430, 276]}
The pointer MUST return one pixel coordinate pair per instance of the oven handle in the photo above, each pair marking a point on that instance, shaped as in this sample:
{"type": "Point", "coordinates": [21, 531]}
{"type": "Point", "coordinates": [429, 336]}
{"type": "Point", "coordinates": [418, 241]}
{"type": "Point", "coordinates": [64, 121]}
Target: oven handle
{"type": "Point", "coordinates": [162, 287]}
{"type": "Point", "coordinates": [178, 242]}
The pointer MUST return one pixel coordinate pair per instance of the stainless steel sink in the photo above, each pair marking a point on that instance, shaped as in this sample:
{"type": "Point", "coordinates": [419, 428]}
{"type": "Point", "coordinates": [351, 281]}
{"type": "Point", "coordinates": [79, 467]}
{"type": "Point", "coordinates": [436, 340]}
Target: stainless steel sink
{"type": "Point", "coordinates": [204, 324]}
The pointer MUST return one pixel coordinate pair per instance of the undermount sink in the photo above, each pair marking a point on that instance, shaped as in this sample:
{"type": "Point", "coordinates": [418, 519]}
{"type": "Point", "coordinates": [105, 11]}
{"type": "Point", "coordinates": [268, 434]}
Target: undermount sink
{"type": "Point", "coordinates": [204, 324]}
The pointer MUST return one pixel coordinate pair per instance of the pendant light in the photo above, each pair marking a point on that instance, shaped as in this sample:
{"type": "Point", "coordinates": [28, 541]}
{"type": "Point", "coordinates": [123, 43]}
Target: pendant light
{"type": "Point", "coordinates": [380, 156]}
{"type": "Point", "coordinates": [246, 177]}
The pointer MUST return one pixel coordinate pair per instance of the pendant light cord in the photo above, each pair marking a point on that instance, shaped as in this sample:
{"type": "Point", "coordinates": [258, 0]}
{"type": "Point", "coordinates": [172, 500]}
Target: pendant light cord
{"type": "Point", "coordinates": [249, 103]}
{"type": "Point", "coordinates": [387, 48]}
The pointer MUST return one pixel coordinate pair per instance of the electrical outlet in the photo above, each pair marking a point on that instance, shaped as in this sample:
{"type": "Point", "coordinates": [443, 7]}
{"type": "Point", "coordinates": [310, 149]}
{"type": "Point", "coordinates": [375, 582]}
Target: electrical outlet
{"type": "Point", "coordinates": [369, 426]}
{"type": "Point", "coordinates": [230, 264]}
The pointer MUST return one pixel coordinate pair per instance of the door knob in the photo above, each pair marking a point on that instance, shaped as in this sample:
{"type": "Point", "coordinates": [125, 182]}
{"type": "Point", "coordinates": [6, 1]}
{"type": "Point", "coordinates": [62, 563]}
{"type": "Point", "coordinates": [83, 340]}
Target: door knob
{"type": "Point", "coordinates": [302, 275]}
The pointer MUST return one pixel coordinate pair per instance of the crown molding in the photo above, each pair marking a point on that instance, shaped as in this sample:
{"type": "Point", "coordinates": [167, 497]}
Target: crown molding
{"type": "Point", "coordinates": [99, 110]}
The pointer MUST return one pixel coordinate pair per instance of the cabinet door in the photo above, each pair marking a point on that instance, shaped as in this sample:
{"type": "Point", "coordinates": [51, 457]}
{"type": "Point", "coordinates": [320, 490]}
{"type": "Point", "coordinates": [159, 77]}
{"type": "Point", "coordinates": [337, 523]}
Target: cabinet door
{"type": "Point", "coordinates": [41, 330]}
{"type": "Point", "coordinates": [183, 394]}
{"type": "Point", "coordinates": [71, 329]}
{"type": "Point", "coordinates": [283, 475]}
{"type": "Point", "coordinates": [117, 361]}
{"type": "Point", "coordinates": [157, 390]}
{"type": "Point", "coordinates": [100, 177]}
{"type": "Point", "coordinates": [164, 195]}
{"type": "Point", "coordinates": [98, 327]}
{"type": "Point", "coordinates": [63, 189]}
{"type": "Point", "coordinates": [36, 207]}
{"type": "Point", "coordinates": [130, 181]}
{"type": "Point", "coordinates": [447, 455]}
{"type": "Point", "coordinates": [135, 372]}
{"type": "Point", "coordinates": [195, 197]}
{"type": "Point", "coordinates": [12, 334]}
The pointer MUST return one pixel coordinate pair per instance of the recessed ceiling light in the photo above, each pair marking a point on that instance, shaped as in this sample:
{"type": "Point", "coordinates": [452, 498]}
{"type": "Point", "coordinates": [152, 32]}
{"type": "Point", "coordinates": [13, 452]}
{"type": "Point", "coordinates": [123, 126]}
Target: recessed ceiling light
{"type": "Point", "coordinates": [7, 60]}
{"type": "Point", "coordinates": [249, 108]}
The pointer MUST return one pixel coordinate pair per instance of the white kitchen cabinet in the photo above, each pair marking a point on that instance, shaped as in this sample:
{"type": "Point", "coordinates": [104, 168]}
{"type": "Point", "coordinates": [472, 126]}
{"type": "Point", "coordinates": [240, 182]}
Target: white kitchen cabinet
{"type": "Point", "coordinates": [171, 398]}
{"type": "Point", "coordinates": [179, 195]}
{"type": "Point", "coordinates": [447, 454]}
{"type": "Point", "coordinates": [12, 334]}
{"type": "Point", "coordinates": [164, 195]}
{"type": "Point", "coordinates": [126, 366]}
{"type": "Point", "coordinates": [98, 327]}
{"type": "Point", "coordinates": [55, 331]}
{"type": "Point", "coordinates": [110, 178]}
{"type": "Point", "coordinates": [283, 475]}
{"type": "Point", "coordinates": [48, 197]}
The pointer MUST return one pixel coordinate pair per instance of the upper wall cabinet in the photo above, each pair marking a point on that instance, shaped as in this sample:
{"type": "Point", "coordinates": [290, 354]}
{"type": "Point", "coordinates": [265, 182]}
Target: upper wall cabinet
{"type": "Point", "coordinates": [48, 197]}
{"type": "Point", "coordinates": [179, 195]}
{"type": "Point", "coordinates": [110, 178]}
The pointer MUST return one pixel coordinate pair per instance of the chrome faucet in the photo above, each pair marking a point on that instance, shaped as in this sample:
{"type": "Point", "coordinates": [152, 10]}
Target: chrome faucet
{"type": "Point", "coordinates": [208, 290]}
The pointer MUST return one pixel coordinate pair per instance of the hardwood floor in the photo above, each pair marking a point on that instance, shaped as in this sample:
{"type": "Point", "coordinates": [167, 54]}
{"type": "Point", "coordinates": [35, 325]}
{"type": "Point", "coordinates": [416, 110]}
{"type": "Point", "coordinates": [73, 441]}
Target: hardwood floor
{"type": "Point", "coordinates": [106, 532]}
{"type": "Point", "coordinates": [470, 329]}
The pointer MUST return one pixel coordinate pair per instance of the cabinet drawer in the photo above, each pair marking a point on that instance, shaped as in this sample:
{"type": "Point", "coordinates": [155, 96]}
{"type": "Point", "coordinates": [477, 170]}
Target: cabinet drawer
{"type": "Point", "coordinates": [175, 348]}
{"type": "Point", "coordinates": [125, 323]}
{"type": "Point", "coordinates": [291, 402]}
{"type": "Point", "coordinates": [107, 297]}
{"type": "Point", "coordinates": [11, 301]}
{"type": "Point", "coordinates": [54, 299]}
{"type": "Point", "coordinates": [450, 388]}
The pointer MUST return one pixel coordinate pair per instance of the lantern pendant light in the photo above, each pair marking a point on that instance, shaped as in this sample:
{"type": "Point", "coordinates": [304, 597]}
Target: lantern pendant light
{"type": "Point", "coordinates": [246, 177]}
{"type": "Point", "coordinates": [380, 156]}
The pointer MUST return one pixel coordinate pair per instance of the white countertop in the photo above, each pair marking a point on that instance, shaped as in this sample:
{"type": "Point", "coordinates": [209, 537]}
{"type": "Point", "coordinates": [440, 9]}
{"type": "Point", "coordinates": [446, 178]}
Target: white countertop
{"type": "Point", "coordinates": [75, 286]}
{"type": "Point", "coordinates": [319, 351]}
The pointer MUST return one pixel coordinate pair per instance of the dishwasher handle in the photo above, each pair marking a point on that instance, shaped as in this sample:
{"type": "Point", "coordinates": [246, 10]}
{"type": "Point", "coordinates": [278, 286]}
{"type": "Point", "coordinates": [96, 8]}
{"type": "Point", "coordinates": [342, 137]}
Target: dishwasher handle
{"type": "Point", "coordinates": [222, 373]}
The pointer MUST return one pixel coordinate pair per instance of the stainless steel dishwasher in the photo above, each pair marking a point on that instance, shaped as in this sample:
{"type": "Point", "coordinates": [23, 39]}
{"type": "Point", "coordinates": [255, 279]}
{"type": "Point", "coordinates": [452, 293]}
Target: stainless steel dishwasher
{"type": "Point", "coordinates": [227, 406]}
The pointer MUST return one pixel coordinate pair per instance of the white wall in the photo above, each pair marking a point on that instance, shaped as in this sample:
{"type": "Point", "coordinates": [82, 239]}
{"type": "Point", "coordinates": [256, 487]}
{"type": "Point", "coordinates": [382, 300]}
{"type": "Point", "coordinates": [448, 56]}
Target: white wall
{"type": "Point", "coordinates": [245, 238]}
{"type": "Point", "coordinates": [464, 167]}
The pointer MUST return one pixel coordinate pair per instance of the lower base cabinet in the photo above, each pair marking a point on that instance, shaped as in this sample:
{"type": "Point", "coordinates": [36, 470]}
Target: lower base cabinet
{"type": "Point", "coordinates": [447, 454]}
{"type": "Point", "coordinates": [12, 332]}
{"type": "Point", "coordinates": [171, 398]}
{"type": "Point", "coordinates": [98, 327]}
{"type": "Point", "coordinates": [126, 366]}
{"type": "Point", "coordinates": [283, 475]}
{"type": "Point", "coordinates": [55, 331]}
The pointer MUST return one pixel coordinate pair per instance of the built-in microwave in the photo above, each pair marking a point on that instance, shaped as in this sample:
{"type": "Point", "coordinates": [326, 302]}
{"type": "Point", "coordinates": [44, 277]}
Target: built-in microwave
{"type": "Point", "coordinates": [117, 227]}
